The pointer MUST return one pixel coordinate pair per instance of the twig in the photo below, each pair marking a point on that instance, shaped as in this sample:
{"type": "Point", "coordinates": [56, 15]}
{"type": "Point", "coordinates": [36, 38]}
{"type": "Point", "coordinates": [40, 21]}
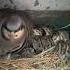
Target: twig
{"type": "Point", "coordinates": [65, 26]}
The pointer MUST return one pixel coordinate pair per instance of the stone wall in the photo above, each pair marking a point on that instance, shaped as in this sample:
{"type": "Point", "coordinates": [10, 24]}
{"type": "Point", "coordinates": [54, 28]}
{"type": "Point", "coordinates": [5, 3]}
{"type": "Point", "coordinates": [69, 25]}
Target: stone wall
{"type": "Point", "coordinates": [36, 4]}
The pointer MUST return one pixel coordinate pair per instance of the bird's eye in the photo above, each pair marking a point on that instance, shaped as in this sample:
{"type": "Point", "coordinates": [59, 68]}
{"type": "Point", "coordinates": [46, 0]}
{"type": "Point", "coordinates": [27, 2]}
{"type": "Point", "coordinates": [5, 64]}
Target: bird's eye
{"type": "Point", "coordinates": [19, 34]}
{"type": "Point", "coordinates": [16, 35]}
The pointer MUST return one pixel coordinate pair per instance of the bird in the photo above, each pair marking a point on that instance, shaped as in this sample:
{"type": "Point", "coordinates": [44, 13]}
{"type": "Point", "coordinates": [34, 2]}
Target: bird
{"type": "Point", "coordinates": [13, 28]}
{"type": "Point", "coordinates": [13, 32]}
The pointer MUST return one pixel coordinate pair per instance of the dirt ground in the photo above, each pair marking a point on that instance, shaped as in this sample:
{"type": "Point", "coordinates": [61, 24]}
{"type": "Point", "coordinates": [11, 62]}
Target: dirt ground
{"type": "Point", "coordinates": [49, 61]}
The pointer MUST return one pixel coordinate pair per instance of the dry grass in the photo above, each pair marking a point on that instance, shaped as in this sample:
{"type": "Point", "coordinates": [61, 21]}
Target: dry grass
{"type": "Point", "coordinates": [49, 61]}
